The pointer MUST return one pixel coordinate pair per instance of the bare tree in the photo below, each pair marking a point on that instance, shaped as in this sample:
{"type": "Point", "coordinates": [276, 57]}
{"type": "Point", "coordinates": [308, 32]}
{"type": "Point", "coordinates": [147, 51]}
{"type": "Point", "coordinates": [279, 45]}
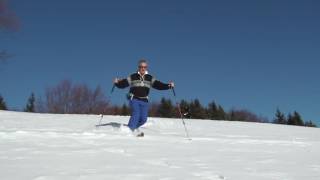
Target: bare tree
{"type": "Point", "coordinates": [8, 19]}
{"type": "Point", "coordinates": [245, 115]}
{"type": "Point", "coordinates": [4, 55]}
{"type": "Point", "coordinates": [57, 98]}
{"type": "Point", "coordinates": [154, 109]}
{"type": "Point", "coordinates": [74, 99]}
{"type": "Point", "coordinates": [8, 22]}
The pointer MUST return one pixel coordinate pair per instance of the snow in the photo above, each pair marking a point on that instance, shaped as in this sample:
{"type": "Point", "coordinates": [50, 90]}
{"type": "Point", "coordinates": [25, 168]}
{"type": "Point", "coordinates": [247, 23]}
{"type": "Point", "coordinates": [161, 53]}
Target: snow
{"type": "Point", "coordinates": [70, 147]}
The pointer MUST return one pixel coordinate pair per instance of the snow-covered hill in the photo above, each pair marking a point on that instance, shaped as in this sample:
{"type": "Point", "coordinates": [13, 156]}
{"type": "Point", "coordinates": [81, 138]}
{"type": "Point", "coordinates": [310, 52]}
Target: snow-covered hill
{"type": "Point", "coordinates": [70, 147]}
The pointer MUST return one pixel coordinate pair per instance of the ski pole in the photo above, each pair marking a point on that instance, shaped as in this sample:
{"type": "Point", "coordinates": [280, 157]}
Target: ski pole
{"type": "Point", "coordinates": [181, 115]}
{"type": "Point", "coordinates": [101, 115]}
{"type": "Point", "coordinates": [174, 92]}
{"type": "Point", "coordinates": [112, 89]}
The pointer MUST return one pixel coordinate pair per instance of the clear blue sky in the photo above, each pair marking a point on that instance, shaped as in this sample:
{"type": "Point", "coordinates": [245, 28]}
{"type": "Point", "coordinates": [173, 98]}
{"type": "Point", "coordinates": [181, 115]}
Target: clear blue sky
{"type": "Point", "coordinates": [258, 55]}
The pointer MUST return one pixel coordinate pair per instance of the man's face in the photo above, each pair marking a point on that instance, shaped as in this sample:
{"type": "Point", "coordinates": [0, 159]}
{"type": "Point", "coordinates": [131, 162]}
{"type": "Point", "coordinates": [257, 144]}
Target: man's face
{"type": "Point", "coordinates": [143, 68]}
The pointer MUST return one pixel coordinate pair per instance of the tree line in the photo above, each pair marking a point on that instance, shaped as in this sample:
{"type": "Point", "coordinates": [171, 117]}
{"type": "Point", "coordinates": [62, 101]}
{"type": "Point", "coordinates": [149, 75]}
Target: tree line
{"type": "Point", "coordinates": [70, 98]}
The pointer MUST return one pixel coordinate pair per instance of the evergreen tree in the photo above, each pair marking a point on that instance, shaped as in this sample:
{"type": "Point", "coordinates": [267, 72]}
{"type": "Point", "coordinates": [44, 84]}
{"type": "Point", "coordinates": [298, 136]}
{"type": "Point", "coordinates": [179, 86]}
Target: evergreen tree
{"type": "Point", "coordinates": [295, 119]}
{"type": "Point", "coordinates": [221, 113]}
{"type": "Point", "coordinates": [125, 111]}
{"type": "Point", "coordinates": [212, 111]}
{"type": "Point", "coordinates": [232, 116]}
{"type": "Point", "coordinates": [216, 112]}
{"type": "Point", "coordinates": [185, 108]}
{"type": "Point", "coordinates": [3, 105]}
{"type": "Point", "coordinates": [153, 109]}
{"type": "Point", "coordinates": [166, 109]}
{"type": "Point", "coordinates": [290, 119]}
{"type": "Point", "coordinates": [196, 110]}
{"type": "Point", "coordinates": [310, 124]}
{"type": "Point", "coordinates": [30, 107]}
{"type": "Point", "coordinates": [280, 118]}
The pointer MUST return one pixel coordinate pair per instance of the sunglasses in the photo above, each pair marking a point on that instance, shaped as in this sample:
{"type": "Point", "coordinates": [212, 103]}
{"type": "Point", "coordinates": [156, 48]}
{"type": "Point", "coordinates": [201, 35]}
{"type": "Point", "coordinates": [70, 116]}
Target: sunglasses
{"type": "Point", "coordinates": [143, 67]}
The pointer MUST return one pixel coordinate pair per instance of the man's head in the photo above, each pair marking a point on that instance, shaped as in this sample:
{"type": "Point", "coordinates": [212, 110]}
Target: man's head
{"type": "Point", "coordinates": [142, 66]}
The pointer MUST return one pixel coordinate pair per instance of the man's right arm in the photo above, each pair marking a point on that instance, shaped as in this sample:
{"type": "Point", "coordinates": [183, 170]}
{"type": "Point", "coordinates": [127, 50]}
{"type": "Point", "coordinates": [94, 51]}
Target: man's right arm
{"type": "Point", "coordinates": [123, 83]}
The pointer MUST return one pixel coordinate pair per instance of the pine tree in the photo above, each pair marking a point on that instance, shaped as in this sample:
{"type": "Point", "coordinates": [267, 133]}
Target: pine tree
{"type": "Point", "coordinates": [280, 118]}
{"type": "Point", "coordinates": [221, 113]}
{"type": "Point", "coordinates": [125, 111]}
{"type": "Point", "coordinates": [196, 110]}
{"type": "Point", "coordinates": [310, 124]}
{"type": "Point", "coordinates": [290, 119]}
{"type": "Point", "coordinates": [30, 107]}
{"type": "Point", "coordinates": [166, 109]}
{"type": "Point", "coordinates": [153, 109]}
{"type": "Point", "coordinates": [231, 116]}
{"type": "Point", "coordinates": [295, 119]}
{"type": "Point", "coordinates": [215, 112]}
{"type": "Point", "coordinates": [185, 108]}
{"type": "Point", "coordinates": [212, 111]}
{"type": "Point", "coordinates": [3, 105]}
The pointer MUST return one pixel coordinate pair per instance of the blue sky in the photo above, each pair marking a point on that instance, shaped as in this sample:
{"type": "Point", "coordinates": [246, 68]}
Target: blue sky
{"type": "Point", "coordinates": [257, 55]}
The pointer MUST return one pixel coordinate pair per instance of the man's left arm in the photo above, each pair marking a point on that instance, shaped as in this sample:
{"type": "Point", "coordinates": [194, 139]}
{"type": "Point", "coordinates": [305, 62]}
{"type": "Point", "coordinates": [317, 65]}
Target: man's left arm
{"type": "Point", "coordinates": [160, 85]}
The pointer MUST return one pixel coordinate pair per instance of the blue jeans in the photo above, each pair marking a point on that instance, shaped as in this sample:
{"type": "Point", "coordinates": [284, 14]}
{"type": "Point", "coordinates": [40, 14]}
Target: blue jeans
{"type": "Point", "coordinates": [139, 113]}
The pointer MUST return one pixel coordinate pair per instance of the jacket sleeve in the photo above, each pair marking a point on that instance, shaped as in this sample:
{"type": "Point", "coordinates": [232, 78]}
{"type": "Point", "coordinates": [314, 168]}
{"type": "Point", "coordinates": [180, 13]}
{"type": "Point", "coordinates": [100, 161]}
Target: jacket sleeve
{"type": "Point", "coordinates": [160, 85]}
{"type": "Point", "coordinates": [123, 83]}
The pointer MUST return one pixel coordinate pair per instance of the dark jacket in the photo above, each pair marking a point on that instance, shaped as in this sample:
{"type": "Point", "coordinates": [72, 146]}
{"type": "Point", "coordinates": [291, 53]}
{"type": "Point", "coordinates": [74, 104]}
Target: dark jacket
{"type": "Point", "coordinates": [140, 85]}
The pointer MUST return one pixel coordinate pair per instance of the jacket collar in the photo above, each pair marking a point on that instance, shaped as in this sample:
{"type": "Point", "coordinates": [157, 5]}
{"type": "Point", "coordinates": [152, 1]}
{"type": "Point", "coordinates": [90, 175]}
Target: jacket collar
{"type": "Point", "coordinates": [144, 73]}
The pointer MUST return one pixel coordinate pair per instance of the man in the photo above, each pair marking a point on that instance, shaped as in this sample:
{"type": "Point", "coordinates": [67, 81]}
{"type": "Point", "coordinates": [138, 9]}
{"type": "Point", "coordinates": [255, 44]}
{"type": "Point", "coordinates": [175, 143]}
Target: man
{"type": "Point", "coordinates": [140, 84]}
